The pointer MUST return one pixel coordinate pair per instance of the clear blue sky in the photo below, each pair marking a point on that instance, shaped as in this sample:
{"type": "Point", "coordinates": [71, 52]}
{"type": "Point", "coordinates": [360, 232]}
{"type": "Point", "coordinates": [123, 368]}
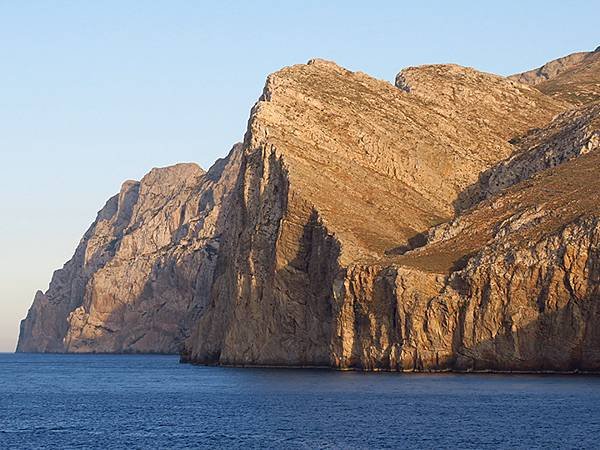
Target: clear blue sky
{"type": "Point", "coordinates": [96, 92]}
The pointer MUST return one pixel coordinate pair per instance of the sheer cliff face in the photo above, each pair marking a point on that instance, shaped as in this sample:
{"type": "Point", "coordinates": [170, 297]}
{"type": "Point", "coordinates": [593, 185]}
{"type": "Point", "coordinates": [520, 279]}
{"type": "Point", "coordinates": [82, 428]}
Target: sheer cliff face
{"type": "Point", "coordinates": [341, 172]}
{"type": "Point", "coordinates": [137, 278]}
{"type": "Point", "coordinates": [551, 69]}
{"type": "Point", "coordinates": [449, 222]}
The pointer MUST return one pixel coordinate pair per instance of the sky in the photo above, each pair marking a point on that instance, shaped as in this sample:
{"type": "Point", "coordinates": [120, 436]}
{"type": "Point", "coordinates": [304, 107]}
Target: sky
{"type": "Point", "coordinates": [95, 93]}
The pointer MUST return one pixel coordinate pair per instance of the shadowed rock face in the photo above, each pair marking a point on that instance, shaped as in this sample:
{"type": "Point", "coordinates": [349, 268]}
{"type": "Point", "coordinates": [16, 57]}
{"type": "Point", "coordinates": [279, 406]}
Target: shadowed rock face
{"type": "Point", "coordinates": [309, 279]}
{"type": "Point", "coordinates": [449, 222]}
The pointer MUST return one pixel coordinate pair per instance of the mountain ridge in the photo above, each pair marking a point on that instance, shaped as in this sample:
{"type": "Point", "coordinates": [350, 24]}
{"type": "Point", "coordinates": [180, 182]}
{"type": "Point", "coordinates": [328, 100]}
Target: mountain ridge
{"type": "Point", "coordinates": [362, 225]}
{"type": "Point", "coordinates": [573, 78]}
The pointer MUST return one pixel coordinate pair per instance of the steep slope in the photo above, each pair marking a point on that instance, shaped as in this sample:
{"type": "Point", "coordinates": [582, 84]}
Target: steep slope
{"type": "Point", "coordinates": [574, 78]}
{"type": "Point", "coordinates": [570, 135]}
{"type": "Point", "coordinates": [450, 222]}
{"type": "Point", "coordinates": [338, 171]}
{"type": "Point", "coordinates": [137, 277]}
{"type": "Point", "coordinates": [551, 69]}
{"type": "Point", "coordinates": [510, 285]}
{"type": "Point", "coordinates": [485, 104]}
{"type": "Point", "coordinates": [524, 280]}
{"type": "Point", "coordinates": [398, 160]}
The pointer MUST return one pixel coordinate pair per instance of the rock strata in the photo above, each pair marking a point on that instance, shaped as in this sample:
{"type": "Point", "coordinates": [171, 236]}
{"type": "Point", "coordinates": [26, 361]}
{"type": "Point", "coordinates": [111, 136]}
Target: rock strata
{"type": "Point", "coordinates": [449, 222]}
{"type": "Point", "coordinates": [574, 78]}
{"type": "Point", "coordinates": [309, 285]}
{"type": "Point", "coordinates": [137, 278]}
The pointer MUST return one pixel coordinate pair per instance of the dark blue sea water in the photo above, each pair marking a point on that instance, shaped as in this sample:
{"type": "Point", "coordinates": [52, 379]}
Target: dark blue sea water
{"type": "Point", "coordinates": [96, 401]}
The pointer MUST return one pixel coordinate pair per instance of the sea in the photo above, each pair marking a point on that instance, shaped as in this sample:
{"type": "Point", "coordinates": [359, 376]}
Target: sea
{"type": "Point", "coordinates": [153, 401]}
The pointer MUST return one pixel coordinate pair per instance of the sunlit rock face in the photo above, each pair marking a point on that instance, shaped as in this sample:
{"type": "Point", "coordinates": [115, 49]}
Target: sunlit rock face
{"type": "Point", "coordinates": [574, 78]}
{"type": "Point", "coordinates": [137, 277]}
{"type": "Point", "coordinates": [351, 245]}
{"type": "Point", "coordinates": [449, 222]}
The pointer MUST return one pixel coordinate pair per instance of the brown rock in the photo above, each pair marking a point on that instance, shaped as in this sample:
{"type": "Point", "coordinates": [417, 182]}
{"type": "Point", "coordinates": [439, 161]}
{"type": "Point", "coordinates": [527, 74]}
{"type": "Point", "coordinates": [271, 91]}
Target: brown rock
{"type": "Point", "coordinates": [551, 69]}
{"type": "Point", "coordinates": [574, 78]}
{"type": "Point", "coordinates": [448, 223]}
{"type": "Point", "coordinates": [339, 171]}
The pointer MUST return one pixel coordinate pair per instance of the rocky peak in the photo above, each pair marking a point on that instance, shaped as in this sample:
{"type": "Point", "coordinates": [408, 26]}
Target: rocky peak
{"type": "Point", "coordinates": [550, 69]}
{"type": "Point", "coordinates": [340, 173]}
{"type": "Point", "coordinates": [574, 78]}
{"type": "Point", "coordinates": [482, 102]}
{"type": "Point", "coordinates": [326, 64]}
{"type": "Point", "coordinates": [450, 222]}
{"type": "Point", "coordinates": [113, 295]}
{"type": "Point", "coordinates": [172, 174]}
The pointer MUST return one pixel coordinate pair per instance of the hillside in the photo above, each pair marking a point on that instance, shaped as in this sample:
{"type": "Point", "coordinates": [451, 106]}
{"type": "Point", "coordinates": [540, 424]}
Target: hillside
{"type": "Point", "coordinates": [447, 222]}
{"type": "Point", "coordinates": [344, 170]}
{"type": "Point", "coordinates": [574, 78]}
{"type": "Point", "coordinates": [136, 279]}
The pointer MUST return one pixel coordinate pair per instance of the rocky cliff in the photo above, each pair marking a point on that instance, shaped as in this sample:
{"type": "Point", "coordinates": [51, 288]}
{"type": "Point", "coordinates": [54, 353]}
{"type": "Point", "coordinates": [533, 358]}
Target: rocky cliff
{"type": "Point", "coordinates": [575, 78]}
{"type": "Point", "coordinates": [138, 276]}
{"type": "Point", "coordinates": [321, 271]}
{"type": "Point", "coordinates": [449, 222]}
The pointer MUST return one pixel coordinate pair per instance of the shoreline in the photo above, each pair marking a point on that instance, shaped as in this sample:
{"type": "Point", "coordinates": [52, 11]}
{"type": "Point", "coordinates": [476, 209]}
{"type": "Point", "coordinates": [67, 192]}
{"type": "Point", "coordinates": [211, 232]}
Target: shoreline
{"type": "Point", "coordinates": [574, 372]}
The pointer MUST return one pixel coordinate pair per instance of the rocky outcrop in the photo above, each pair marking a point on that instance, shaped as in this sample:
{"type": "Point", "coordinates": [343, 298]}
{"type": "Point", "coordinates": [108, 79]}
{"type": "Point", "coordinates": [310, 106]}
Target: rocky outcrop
{"type": "Point", "coordinates": [450, 222]}
{"type": "Point", "coordinates": [137, 278]}
{"type": "Point", "coordinates": [574, 78]}
{"type": "Point", "coordinates": [530, 308]}
{"type": "Point", "coordinates": [304, 283]}
{"type": "Point", "coordinates": [525, 294]}
{"type": "Point", "coordinates": [551, 69]}
{"type": "Point", "coordinates": [570, 135]}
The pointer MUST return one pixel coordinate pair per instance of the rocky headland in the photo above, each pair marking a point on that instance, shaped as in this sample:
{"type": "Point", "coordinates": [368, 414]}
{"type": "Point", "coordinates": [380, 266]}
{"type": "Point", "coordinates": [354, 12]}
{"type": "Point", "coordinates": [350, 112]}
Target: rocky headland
{"type": "Point", "coordinates": [448, 222]}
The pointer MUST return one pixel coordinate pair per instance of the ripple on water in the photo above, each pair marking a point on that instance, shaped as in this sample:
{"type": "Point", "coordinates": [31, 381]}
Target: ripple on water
{"type": "Point", "coordinates": [104, 401]}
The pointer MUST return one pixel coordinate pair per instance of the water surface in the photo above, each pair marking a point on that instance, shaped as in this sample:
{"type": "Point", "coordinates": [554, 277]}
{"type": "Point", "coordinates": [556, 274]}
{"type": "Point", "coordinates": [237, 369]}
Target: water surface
{"type": "Point", "coordinates": [115, 401]}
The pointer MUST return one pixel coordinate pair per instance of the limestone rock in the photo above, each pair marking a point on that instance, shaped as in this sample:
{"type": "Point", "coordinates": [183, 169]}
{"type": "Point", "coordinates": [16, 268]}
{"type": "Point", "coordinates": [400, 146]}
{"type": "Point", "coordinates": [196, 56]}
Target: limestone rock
{"type": "Point", "coordinates": [551, 69]}
{"type": "Point", "coordinates": [340, 170]}
{"type": "Point", "coordinates": [571, 134]}
{"type": "Point", "coordinates": [137, 277]}
{"type": "Point", "coordinates": [574, 78]}
{"type": "Point", "coordinates": [522, 290]}
{"type": "Point", "coordinates": [450, 222]}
